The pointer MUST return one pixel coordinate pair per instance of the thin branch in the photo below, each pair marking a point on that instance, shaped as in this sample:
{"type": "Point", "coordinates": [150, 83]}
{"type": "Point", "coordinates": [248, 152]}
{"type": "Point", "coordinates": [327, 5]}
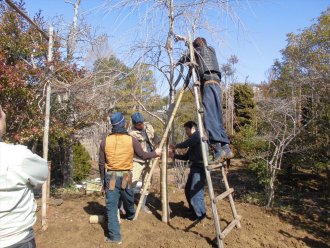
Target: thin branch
{"type": "Point", "coordinates": [26, 17]}
{"type": "Point", "coordinates": [145, 110]}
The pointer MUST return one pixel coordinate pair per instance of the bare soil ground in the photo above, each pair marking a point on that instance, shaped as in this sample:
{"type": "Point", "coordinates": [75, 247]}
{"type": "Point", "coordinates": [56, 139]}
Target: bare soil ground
{"type": "Point", "coordinates": [291, 226]}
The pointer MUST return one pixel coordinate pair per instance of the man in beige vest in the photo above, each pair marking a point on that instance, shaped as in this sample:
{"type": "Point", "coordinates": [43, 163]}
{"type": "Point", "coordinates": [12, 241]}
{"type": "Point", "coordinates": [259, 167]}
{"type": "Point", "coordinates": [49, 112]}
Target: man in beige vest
{"type": "Point", "coordinates": [115, 164]}
{"type": "Point", "coordinates": [145, 134]}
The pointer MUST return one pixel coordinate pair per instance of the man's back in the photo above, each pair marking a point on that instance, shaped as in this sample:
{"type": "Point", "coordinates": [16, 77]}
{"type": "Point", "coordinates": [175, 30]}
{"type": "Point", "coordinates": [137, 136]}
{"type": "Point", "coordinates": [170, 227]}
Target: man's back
{"type": "Point", "coordinates": [208, 67]}
{"type": "Point", "coordinates": [20, 172]}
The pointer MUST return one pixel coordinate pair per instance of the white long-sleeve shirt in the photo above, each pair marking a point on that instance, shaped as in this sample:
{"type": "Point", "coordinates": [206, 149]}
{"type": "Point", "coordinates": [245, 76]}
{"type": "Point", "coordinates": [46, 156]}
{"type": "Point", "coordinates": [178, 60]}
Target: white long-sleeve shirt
{"type": "Point", "coordinates": [20, 172]}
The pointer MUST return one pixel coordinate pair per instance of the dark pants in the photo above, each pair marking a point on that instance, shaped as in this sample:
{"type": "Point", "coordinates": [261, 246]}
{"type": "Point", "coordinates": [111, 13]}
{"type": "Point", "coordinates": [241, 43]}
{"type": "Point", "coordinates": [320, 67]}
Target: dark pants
{"type": "Point", "coordinates": [112, 199]}
{"type": "Point", "coordinates": [194, 190]}
{"type": "Point", "coordinates": [30, 244]}
{"type": "Point", "coordinates": [213, 119]}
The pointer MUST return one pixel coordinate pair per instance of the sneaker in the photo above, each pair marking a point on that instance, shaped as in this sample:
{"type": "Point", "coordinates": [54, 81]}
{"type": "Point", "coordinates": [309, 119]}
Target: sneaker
{"type": "Point", "coordinates": [200, 218]}
{"type": "Point", "coordinates": [146, 210]}
{"type": "Point", "coordinates": [110, 241]}
{"type": "Point", "coordinates": [228, 153]}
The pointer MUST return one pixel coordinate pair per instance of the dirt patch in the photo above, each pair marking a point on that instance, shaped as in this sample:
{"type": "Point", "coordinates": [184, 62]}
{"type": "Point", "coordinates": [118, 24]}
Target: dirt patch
{"type": "Point", "coordinates": [69, 226]}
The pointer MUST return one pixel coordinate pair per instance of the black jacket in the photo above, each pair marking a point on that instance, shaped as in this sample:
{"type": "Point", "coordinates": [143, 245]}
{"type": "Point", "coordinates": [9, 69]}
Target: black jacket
{"type": "Point", "coordinates": [194, 153]}
{"type": "Point", "coordinates": [208, 67]}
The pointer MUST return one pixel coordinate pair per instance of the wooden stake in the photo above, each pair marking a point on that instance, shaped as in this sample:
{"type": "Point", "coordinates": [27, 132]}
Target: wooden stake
{"type": "Point", "coordinates": [164, 187]}
{"type": "Point", "coordinates": [162, 142]}
{"type": "Point", "coordinates": [46, 133]}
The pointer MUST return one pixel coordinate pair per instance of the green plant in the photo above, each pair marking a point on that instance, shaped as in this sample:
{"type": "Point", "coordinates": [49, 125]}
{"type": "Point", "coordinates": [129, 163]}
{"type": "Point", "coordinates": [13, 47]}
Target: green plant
{"type": "Point", "coordinates": [259, 168]}
{"type": "Point", "coordinates": [81, 163]}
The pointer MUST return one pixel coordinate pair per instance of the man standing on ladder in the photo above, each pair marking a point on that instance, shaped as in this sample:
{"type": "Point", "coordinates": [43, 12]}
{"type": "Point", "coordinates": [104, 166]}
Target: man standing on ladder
{"type": "Point", "coordinates": [209, 75]}
{"type": "Point", "coordinates": [145, 134]}
{"type": "Point", "coordinates": [194, 189]}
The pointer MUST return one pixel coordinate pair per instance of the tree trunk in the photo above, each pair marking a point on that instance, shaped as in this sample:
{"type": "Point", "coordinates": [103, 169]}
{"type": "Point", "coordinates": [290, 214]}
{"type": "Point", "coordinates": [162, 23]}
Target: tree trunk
{"type": "Point", "coordinates": [271, 187]}
{"type": "Point", "coordinates": [71, 45]}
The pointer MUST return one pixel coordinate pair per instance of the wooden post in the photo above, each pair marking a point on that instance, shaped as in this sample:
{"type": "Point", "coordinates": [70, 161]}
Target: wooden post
{"type": "Point", "coordinates": [48, 179]}
{"type": "Point", "coordinates": [162, 142]}
{"type": "Point", "coordinates": [164, 187]}
{"type": "Point", "coordinates": [46, 133]}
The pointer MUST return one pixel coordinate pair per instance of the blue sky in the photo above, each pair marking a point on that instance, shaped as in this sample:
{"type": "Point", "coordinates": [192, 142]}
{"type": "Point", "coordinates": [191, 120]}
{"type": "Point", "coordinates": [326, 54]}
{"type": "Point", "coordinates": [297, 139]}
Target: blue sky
{"type": "Point", "coordinates": [256, 40]}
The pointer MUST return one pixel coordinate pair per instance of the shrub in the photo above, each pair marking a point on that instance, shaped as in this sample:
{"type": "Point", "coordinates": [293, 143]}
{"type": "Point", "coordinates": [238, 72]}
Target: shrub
{"type": "Point", "coordinates": [81, 163]}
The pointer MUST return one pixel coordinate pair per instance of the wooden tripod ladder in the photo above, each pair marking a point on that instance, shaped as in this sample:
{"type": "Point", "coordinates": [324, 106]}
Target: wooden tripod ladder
{"type": "Point", "coordinates": [209, 168]}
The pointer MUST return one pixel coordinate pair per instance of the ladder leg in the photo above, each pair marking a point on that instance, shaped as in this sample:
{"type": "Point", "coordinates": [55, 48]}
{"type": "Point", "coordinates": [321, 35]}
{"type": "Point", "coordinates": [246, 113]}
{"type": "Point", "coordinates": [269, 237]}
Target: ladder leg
{"type": "Point", "coordinates": [214, 208]}
{"type": "Point", "coordinates": [231, 199]}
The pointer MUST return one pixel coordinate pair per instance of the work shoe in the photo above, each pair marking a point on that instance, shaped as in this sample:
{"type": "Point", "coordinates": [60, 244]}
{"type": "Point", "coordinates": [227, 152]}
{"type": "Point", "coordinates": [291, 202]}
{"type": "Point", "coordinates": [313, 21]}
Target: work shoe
{"type": "Point", "coordinates": [200, 218]}
{"type": "Point", "coordinates": [228, 153]}
{"type": "Point", "coordinates": [110, 241]}
{"type": "Point", "coordinates": [219, 155]}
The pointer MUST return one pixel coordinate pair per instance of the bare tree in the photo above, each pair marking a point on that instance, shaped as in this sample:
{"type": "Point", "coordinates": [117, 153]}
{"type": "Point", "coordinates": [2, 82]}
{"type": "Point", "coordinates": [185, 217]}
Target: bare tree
{"type": "Point", "coordinates": [280, 129]}
{"type": "Point", "coordinates": [71, 43]}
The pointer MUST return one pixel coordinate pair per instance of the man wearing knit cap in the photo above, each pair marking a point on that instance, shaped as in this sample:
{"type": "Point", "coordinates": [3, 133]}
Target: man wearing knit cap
{"type": "Point", "coordinates": [145, 134]}
{"type": "Point", "coordinates": [115, 163]}
{"type": "Point", "coordinates": [20, 172]}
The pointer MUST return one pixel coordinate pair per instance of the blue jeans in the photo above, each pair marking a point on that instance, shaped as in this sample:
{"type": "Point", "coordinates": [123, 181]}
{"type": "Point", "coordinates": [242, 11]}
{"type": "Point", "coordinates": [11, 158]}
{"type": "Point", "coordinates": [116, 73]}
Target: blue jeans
{"type": "Point", "coordinates": [30, 244]}
{"type": "Point", "coordinates": [112, 199]}
{"type": "Point", "coordinates": [194, 190]}
{"type": "Point", "coordinates": [213, 119]}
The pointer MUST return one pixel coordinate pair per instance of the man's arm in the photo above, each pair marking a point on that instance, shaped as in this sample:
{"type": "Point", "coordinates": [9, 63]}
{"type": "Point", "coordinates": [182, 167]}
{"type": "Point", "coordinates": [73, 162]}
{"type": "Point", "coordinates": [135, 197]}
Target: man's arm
{"type": "Point", "coordinates": [102, 161]}
{"type": "Point", "coordinates": [139, 151]}
{"type": "Point", "coordinates": [193, 140]}
{"type": "Point", "coordinates": [184, 58]}
{"type": "Point", "coordinates": [34, 169]}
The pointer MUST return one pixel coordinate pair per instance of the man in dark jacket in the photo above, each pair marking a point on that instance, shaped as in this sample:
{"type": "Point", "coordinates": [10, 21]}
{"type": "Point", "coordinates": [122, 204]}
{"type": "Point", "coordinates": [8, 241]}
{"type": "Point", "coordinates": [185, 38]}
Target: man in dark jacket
{"type": "Point", "coordinates": [194, 189]}
{"type": "Point", "coordinates": [209, 75]}
{"type": "Point", "coordinates": [115, 164]}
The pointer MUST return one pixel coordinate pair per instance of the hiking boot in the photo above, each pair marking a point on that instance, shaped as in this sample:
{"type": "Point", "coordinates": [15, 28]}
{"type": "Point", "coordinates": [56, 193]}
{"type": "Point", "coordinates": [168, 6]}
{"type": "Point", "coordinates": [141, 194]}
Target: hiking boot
{"type": "Point", "coordinates": [219, 155]}
{"type": "Point", "coordinates": [110, 241]}
{"type": "Point", "coordinates": [228, 153]}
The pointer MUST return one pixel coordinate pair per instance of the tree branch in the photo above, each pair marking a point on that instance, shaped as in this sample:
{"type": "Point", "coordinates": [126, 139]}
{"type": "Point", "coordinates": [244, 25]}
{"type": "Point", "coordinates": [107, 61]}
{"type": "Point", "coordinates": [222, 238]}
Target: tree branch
{"type": "Point", "coordinates": [145, 110]}
{"type": "Point", "coordinates": [26, 17]}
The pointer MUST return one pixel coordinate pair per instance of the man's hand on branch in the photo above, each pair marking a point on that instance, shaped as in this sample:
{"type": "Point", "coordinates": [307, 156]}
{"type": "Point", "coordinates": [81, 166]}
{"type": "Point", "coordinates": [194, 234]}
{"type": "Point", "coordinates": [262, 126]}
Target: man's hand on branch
{"type": "Point", "coordinates": [181, 38]}
{"type": "Point", "coordinates": [172, 147]}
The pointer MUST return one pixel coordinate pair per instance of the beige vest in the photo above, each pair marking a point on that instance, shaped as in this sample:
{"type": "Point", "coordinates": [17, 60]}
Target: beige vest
{"type": "Point", "coordinates": [138, 135]}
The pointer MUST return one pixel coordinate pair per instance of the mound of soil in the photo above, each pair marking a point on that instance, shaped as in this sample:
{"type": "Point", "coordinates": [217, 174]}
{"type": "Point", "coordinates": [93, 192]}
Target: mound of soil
{"type": "Point", "coordinates": [68, 226]}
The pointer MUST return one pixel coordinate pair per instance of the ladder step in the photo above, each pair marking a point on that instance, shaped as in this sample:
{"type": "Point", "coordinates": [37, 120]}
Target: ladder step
{"type": "Point", "coordinates": [229, 228]}
{"type": "Point", "coordinates": [214, 166]}
{"type": "Point", "coordinates": [223, 195]}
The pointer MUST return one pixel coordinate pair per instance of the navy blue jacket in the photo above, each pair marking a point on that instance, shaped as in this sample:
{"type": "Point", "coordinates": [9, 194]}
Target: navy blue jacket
{"type": "Point", "coordinates": [194, 153]}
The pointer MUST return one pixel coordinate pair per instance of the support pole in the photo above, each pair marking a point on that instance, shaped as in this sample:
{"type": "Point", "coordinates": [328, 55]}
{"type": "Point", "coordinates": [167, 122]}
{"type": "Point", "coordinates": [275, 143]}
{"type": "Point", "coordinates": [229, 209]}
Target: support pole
{"type": "Point", "coordinates": [48, 179]}
{"type": "Point", "coordinates": [46, 133]}
{"type": "Point", "coordinates": [164, 187]}
{"type": "Point", "coordinates": [162, 142]}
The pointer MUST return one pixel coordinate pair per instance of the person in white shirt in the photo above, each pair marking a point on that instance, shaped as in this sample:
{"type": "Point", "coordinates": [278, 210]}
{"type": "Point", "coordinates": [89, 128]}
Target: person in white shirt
{"type": "Point", "coordinates": [20, 172]}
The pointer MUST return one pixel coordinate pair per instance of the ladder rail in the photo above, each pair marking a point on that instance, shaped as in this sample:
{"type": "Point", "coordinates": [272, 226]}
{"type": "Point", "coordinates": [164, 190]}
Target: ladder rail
{"type": "Point", "coordinates": [231, 199]}
{"type": "Point", "coordinates": [204, 149]}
